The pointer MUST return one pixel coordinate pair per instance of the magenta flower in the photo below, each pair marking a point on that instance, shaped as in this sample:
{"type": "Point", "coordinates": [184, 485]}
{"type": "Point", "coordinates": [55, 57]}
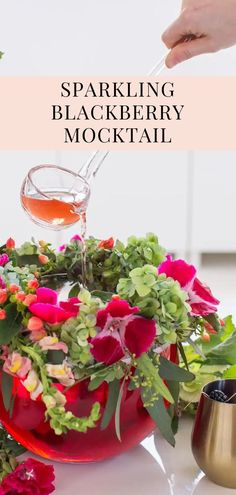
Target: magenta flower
{"type": "Point", "coordinates": [76, 238]}
{"type": "Point", "coordinates": [121, 331]}
{"type": "Point", "coordinates": [2, 283]}
{"type": "Point", "coordinates": [4, 258]}
{"type": "Point", "coordinates": [48, 309]}
{"type": "Point", "coordinates": [31, 477]}
{"type": "Point", "coordinates": [201, 299]}
{"type": "Point", "coordinates": [62, 248]}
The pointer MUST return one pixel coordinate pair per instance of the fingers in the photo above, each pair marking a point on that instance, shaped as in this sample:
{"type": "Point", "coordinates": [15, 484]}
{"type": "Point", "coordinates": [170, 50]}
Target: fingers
{"type": "Point", "coordinates": [185, 51]}
{"type": "Point", "coordinates": [184, 25]}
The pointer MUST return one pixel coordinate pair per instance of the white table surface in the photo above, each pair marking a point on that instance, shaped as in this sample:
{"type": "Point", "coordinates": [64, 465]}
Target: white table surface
{"type": "Point", "coordinates": [152, 468]}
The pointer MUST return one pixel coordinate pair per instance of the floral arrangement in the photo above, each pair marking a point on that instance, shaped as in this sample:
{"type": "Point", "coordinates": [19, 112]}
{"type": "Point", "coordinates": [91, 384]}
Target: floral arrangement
{"type": "Point", "coordinates": [137, 302]}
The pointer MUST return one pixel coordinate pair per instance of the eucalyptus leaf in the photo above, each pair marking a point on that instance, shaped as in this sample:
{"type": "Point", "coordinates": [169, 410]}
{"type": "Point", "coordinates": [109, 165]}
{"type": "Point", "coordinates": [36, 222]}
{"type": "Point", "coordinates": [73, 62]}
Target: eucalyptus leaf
{"type": "Point", "coordinates": [159, 414]}
{"type": "Point", "coordinates": [170, 371]}
{"type": "Point", "coordinates": [117, 411]}
{"type": "Point", "coordinates": [7, 385]}
{"type": "Point", "coordinates": [55, 357]}
{"type": "Point", "coordinates": [148, 369]}
{"type": "Point", "coordinates": [113, 394]}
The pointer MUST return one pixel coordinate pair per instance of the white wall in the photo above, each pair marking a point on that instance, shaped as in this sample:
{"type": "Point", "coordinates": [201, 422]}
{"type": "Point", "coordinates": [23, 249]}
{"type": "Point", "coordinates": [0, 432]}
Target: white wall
{"type": "Point", "coordinates": [188, 199]}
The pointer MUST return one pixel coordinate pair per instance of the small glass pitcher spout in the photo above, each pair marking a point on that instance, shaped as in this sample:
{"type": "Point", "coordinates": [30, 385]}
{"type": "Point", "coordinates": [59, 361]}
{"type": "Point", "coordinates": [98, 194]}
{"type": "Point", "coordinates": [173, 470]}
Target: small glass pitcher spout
{"type": "Point", "coordinates": [89, 170]}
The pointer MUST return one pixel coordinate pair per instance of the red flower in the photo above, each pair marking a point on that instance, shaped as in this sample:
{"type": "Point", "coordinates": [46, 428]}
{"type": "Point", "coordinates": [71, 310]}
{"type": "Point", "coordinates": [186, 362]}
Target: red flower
{"type": "Point", "coordinates": [120, 331]}
{"type": "Point", "coordinates": [106, 244]}
{"type": "Point", "coordinates": [201, 300]}
{"type": "Point", "coordinates": [29, 478]}
{"type": "Point", "coordinates": [47, 309]}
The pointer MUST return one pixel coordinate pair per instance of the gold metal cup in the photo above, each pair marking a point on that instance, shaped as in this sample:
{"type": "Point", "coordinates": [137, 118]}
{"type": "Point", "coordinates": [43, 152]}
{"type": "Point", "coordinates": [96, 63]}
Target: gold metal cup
{"type": "Point", "coordinates": [214, 434]}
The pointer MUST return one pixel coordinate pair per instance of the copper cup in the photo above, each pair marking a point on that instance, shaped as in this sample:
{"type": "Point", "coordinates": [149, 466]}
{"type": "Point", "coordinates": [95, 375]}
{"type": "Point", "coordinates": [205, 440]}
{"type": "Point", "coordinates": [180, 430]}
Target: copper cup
{"type": "Point", "coordinates": [214, 434]}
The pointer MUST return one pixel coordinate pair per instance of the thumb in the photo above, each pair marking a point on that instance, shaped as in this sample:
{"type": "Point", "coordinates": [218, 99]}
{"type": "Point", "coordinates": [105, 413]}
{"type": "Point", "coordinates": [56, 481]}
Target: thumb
{"type": "Point", "coordinates": [185, 51]}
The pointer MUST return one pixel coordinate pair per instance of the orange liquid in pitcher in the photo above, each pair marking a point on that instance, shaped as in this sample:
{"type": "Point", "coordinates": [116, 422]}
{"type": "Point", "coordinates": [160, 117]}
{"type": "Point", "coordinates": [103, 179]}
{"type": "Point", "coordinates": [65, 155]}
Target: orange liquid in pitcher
{"type": "Point", "coordinates": [56, 212]}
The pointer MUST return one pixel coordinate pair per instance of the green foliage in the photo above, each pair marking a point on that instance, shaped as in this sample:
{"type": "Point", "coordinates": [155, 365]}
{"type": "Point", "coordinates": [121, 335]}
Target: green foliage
{"type": "Point", "coordinates": [163, 420]}
{"type": "Point", "coordinates": [76, 332]}
{"type": "Point", "coordinates": [11, 325]}
{"type": "Point", "coordinates": [160, 298]}
{"type": "Point", "coordinates": [1, 54]}
{"type": "Point", "coordinates": [61, 420]}
{"type": "Point", "coordinates": [148, 378]}
{"type": "Point", "coordinates": [7, 385]}
{"type": "Point", "coordinates": [113, 395]}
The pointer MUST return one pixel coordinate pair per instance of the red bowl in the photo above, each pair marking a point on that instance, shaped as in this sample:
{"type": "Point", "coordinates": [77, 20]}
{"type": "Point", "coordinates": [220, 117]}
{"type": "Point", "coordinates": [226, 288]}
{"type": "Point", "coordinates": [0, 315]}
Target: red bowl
{"type": "Point", "coordinates": [28, 426]}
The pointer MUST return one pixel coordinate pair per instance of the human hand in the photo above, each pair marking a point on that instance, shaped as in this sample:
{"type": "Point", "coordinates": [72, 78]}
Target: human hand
{"type": "Point", "coordinates": [211, 22]}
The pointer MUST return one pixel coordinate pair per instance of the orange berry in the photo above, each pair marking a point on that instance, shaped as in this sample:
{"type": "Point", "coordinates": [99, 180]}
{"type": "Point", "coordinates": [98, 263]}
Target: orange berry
{"type": "Point", "coordinates": [10, 244]}
{"type": "Point", "coordinates": [205, 337]}
{"type": "Point", "coordinates": [43, 259]}
{"type": "Point", "coordinates": [3, 296]}
{"type": "Point", "coordinates": [13, 288]}
{"type": "Point", "coordinates": [35, 323]}
{"type": "Point", "coordinates": [2, 314]}
{"type": "Point", "coordinates": [30, 299]}
{"type": "Point", "coordinates": [116, 297]}
{"type": "Point", "coordinates": [33, 284]}
{"type": "Point", "coordinates": [20, 296]}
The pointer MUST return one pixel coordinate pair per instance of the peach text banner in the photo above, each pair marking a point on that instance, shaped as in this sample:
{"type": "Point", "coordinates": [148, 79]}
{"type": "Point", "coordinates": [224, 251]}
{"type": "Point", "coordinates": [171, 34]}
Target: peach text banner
{"type": "Point", "coordinates": [206, 121]}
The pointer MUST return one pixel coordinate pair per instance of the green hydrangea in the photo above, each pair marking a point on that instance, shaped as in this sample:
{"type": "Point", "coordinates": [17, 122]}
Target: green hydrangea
{"type": "Point", "coordinates": [75, 332]}
{"type": "Point", "coordinates": [160, 298]}
{"type": "Point", "coordinates": [190, 392]}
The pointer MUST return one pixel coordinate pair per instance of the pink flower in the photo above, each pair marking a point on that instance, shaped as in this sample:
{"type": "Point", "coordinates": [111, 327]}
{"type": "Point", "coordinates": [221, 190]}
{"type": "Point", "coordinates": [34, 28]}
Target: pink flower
{"type": "Point", "coordinates": [16, 365]}
{"type": "Point", "coordinates": [62, 372]}
{"type": "Point", "coordinates": [29, 299]}
{"type": "Point", "coordinates": [47, 309]}
{"type": "Point", "coordinates": [120, 331]}
{"type": "Point", "coordinates": [33, 384]}
{"type": "Point", "coordinates": [53, 344]}
{"type": "Point", "coordinates": [76, 238]}
{"type": "Point", "coordinates": [31, 477]}
{"type": "Point", "coordinates": [71, 306]}
{"type": "Point", "coordinates": [4, 258]}
{"type": "Point", "coordinates": [201, 300]}
{"type": "Point", "coordinates": [62, 247]}
{"type": "Point", "coordinates": [2, 283]}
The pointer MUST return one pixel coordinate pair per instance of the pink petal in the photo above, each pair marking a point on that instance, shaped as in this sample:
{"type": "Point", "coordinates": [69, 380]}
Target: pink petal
{"type": "Point", "coordinates": [107, 348]}
{"type": "Point", "coordinates": [178, 270]}
{"type": "Point", "coordinates": [139, 335]}
{"type": "Point", "coordinates": [45, 295]}
{"type": "Point", "coordinates": [71, 306]}
{"type": "Point", "coordinates": [116, 308]}
{"type": "Point", "coordinates": [202, 309]}
{"type": "Point", "coordinates": [204, 292]}
{"type": "Point", "coordinates": [48, 312]}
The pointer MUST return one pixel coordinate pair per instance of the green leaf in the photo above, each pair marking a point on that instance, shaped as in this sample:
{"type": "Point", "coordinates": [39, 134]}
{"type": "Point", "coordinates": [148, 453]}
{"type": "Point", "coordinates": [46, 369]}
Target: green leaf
{"type": "Point", "coordinates": [174, 388]}
{"type": "Point", "coordinates": [27, 259]}
{"type": "Point", "coordinates": [182, 354]}
{"type": "Point", "coordinates": [214, 321]}
{"type": "Point", "coordinates": [224, 352]}
{"type": "Point", "coordinates": [230, 372]}
{"type": "Point", "coordinates": [162, 419]}
{"type": "Point", "coordinates": [15, 447]}
{"type": "Point", "coordinates": [103, 295]}
{"type": "Point", "coordinates": [148, 369]}
{"type": "Point", "coordinates": [74, 291]}
{"type": "Point", "coordinates": [1, 54]}
{"type": "Point", "coordinates": [55, 357]}
{"type": "Point", "coordinates": [11, 325]}
{"type": "Point", "coordinates": [170, 371]}
{"type": "Point", "coordinates": [7, 385]}
{"type": "Point", "coordinates": [117, 412]}
{"type": "Point", "coordinates": [113, 394]}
